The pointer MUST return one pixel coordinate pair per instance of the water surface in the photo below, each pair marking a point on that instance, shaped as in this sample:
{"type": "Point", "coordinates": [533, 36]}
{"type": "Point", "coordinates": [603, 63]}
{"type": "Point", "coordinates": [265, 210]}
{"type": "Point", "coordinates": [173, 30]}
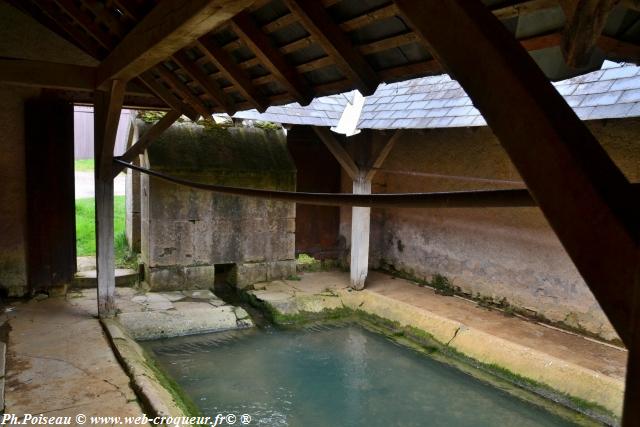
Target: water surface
{"type": "Point", "coordinates": [329, 376]}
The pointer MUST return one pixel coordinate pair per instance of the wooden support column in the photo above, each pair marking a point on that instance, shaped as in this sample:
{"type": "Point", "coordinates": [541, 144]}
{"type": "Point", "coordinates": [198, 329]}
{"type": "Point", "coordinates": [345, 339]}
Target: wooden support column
{"type": "Point", "coordinates": [360, 231]}
{"type": "Point", "coordinates": [360, 216]}
{"type": "Point", "coordinates": [106, 117]}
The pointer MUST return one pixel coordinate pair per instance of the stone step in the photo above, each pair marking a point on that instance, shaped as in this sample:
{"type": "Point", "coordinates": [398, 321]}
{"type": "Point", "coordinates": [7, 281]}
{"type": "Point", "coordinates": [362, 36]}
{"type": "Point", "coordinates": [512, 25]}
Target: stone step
{"type": "Point", "coordinates": [125, 277]}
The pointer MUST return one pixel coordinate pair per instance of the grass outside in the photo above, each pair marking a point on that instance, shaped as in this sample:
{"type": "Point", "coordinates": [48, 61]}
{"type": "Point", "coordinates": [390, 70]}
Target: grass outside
{"type": "Point", "coordinates": [84, 165]}
{"type": "Point", "coordinates": [86, 232]}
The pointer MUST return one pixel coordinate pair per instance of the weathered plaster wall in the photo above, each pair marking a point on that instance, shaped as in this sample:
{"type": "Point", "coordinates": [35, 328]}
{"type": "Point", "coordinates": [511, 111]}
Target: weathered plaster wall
{"type": "Point", "coordinates": [507, 253]}
{"type": "Point", "coordinates": [185, 232]}
{"type": "Point", "coordinates": [13, 204]}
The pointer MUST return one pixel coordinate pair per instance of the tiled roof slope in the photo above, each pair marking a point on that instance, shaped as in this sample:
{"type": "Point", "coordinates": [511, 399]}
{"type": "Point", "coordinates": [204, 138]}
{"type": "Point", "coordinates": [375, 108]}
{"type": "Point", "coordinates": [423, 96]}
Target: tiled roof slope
{"type": "Point", "coordinates": [324, 111]}
{"type": "Point", "coordinates": [437, 102]}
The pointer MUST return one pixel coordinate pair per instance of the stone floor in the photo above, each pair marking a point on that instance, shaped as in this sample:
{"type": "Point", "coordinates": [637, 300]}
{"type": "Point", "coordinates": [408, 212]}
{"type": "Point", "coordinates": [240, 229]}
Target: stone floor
{"type": "Point", "coordinates": [59, 363]}
{"type": "Point", "coordinates": [162, 314]}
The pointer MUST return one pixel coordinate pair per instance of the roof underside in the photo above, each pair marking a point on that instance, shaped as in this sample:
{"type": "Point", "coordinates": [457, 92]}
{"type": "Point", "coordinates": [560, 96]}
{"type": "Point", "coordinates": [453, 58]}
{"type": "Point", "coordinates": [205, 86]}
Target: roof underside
{"type": "Point", "coordinates": [239, 64]}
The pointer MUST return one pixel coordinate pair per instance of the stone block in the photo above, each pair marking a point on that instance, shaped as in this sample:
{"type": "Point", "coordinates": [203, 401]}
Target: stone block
{"type": "Point", "coordinates": [250, 273]}
{"type": "Point", "coordinates": [278, 270]}
{"type": "Point", "coordinates": [199, 277]}
{"type": "Point", "coordinates": [180, 277]}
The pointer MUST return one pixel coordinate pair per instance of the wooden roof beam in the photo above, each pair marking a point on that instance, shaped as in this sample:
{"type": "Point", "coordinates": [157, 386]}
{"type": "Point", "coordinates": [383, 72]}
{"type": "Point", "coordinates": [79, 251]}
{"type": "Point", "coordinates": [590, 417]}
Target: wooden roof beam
{"type": "Point", "coordinates": [585, 20]}
{"type": "Point", "coordinates": [272, 58]}
{"type": "Point", "coordinates": [338, 151]}
{"type": "Point", "coordinates": [335, 43]}
{"type": "Point", "coordinates": [171, 25]}
{"type": "Point", "coordinates": [53, 75]}
{"type": "Point", "coordinates": [146, 139]}
{"type": "Point", "coordinates": [169, 98]}
{"type": "Point", "coordinates": [232, 72]}
{"type": "Point", "coordinates": [211, 87]}
{"type": "Point", "coordinates": [183, 90]}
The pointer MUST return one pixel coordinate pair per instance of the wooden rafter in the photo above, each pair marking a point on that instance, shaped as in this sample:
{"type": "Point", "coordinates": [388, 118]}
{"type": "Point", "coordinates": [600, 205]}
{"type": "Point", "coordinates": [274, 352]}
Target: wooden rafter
{"type": "Point", "coordinates": [169, 98]}
{"type": "Point", "coordinates": [230, 69]}
{"type": "Point", "coordinates": [145, 140]}
{"type": "Point", "coordinates": [211, 87]}
{"type": "Point", "coordinates": [585, 21]}
{"type": "Point", "coordinates": [171, 25]}
{"type": "Point", "coordinates": [183, 90]}
{"type": "Point", "coordinates": [338, 151]}
{"type": "Point", "coordinates": [271, 57]}
{"type": "Point", "coordinates": [382, 155]}
{"type": "Point", "coordinates": [335, 43]}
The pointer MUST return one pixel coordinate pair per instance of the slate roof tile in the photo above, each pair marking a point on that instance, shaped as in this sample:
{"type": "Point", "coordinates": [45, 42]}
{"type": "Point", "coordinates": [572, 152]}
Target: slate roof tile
{"type": "Point", "coordinates": [593, 87]}
{"type": "Point", "coordinates": [618, 73]}
{"type": "Point", "coordinates": [609, 111]}
{"type": "Point", "coordinates": [628, 83]}
{"type": "Point", "coordinates": [630, 96]}
{"type": "Point", "coordinates": [439, 101]}
{"type": "Point", "coordinates": [607, 98]}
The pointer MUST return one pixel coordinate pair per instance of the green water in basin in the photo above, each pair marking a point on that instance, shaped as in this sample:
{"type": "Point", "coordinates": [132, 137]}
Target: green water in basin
{"type": "Point", "coordinates": [333, 376]}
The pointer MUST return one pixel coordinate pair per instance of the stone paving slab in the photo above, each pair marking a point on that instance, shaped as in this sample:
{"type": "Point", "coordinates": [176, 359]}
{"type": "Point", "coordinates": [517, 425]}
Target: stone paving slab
{"type": "Point", "coordinates": [152, 315]}
{"type": "Point", "coordinates": [60, 363]}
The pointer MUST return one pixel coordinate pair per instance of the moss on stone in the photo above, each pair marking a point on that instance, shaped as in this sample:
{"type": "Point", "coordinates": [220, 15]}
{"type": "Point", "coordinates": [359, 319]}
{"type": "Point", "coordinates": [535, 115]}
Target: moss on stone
{"type": "Point", "coordinates": [180, 398]}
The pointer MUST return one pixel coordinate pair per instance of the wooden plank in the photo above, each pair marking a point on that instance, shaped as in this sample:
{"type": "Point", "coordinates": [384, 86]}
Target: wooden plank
{"type": "Point", "coordinates": [170, 26]}
{"type": "Point", "coordinates": [522, 8]}
{"type": "Point", "coordinates": [47, 74]}
{"type": "Point", "coordinates": [183, 90]}
{"type": "Point", "coordinates": [585, 22]}
{"type": "Point", "coordinates": [338, 151]}
{"type": "Point", "coordinates": [383, 154]}
{"type": "Point", "coordinates": [210, 87]}
{"type": "Point", "coordinates": [618, 50]}
{"type": "Point", "coordinates": [587, 200]}
{"type": "Point", "coordinates": [149, 136]}
{"type": "Point", "coordinates": [335, 43]}
{"type": "Point", "coordinates": [360, 232]}
{"type": "Point", "coordinates": [230, 69]}
{"type": "Point", "coordinates": [271, 57]}
{"type": "Point", "coordinates": [163, 93]}
{"type": "Point", "coordinates": [50, 215]}
{"type": "Point", "coordinates": [106, 117]}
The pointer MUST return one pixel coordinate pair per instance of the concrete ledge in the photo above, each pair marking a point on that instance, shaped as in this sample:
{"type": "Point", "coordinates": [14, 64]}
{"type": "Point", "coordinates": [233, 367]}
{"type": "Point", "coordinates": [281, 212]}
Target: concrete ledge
{"type": "Point", "coordinates": [145, 381]}
{"type": "Point", "coordinates": [529, 363]}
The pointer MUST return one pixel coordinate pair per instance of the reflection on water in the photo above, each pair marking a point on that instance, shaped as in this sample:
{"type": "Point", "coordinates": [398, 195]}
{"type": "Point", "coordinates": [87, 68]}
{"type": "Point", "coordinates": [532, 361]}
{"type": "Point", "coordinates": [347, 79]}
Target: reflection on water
{"type": "Point", "coordinates": [325, 376]}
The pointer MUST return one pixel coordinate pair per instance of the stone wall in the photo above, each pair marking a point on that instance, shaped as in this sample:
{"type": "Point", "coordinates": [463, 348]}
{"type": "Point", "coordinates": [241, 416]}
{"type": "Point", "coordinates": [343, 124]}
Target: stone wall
{"type": "Point", "coordinates": [186, 232]}
{"type": "Point", "coordinates": [498, 253]}
{"type": "Point", "coordinates": [13, 203]}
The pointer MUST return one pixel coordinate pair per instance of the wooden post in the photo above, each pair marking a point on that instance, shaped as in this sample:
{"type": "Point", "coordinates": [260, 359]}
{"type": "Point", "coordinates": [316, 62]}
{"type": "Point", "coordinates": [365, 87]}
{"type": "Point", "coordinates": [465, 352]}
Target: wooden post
{"type": "Point", "coordinates": [360, 216]}
{"type": "Point", "coordinates": [107, 108]}
{"type": "Point", "coordinates": [360, 225]}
